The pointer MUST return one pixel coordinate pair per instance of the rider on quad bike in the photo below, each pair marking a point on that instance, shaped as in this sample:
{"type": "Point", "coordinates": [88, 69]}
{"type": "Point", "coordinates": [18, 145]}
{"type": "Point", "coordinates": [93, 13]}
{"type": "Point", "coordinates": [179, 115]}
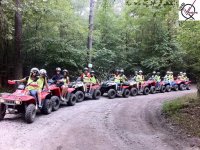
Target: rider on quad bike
{"type": "Point", "coordinates": [169, 82]}
{"type": "Point", "coordinates": [183, 82]}
{"type": "Point", "coordinates": [115, 86]}
{"type": "Point", "coordinates": [57, 78]}
{"type": "Point", "coordinates": [140, 80]}
{"type": "Point", "coordinates": [42, 81]}
{"type": "Point", "coordinates": [31, 79]}
{"type": "Point", "coordinates": [85, 77]}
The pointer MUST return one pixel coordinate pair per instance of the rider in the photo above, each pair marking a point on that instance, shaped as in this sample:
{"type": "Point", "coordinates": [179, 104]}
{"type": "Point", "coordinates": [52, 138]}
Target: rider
{"type": "Point", "coordinates": [31, 79]}
{"type": "Point", "coordinates": [66, 81]}
{"type": "Point", "coordinates": [171, 76]}
{"type": "Point", "coordinates": [167, 76]}
{"type": "Point", "coordinates": [117, 78]}
{"type": "Point", "coordinates": [57, 78]}
{"type": "Point", "coordinates": [136, 73]}
{"type": "Point", "coordinates": [86, 78]}
{"type": "Point", "coordinates": [123, 78]}
{"type": "Point", "coordinates": [157, 77]}
{"type": "Point", "coordinates": [153, 75]}
{"type": "Point", "coordinates": [140, 78]}
{"type": "Point", "coordinates": [42, 81]}
{"type": "Point", "coordinates": [185, 77]}
{"type": "Point", "coordinates": [93, 79]}
{"type": "Point", "coordinates": [181, 76]}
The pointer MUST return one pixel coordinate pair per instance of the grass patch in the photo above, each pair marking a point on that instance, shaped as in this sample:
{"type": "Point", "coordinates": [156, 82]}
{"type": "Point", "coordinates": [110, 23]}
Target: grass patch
{"type": "Point", "coordinates": [184, 112]}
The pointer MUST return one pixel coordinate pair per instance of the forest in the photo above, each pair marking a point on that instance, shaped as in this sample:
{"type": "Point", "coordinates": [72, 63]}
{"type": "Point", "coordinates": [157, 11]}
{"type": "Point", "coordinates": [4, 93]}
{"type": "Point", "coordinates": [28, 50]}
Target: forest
{"type": "Point", "coordinates": [128, 34]}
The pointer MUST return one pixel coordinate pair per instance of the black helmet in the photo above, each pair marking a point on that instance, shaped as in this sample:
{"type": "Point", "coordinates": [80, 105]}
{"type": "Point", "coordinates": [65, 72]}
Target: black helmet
{"type": "Point", "coordinates": [65, 70]}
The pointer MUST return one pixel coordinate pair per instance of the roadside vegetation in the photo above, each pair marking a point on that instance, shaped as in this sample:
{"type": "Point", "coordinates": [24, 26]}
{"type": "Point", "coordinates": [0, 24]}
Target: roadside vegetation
{"type": "Point", "coordinates": [184, 113]}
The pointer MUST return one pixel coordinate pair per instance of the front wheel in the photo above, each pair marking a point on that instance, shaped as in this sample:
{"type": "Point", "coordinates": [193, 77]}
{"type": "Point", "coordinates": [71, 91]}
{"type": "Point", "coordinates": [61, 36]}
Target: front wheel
{"type": "Point", "coordinates": [168, 88]}
{"type": "Point", "coordinates": [2, 111]}
{"type": "Point", "coordinates": [72, 100]}
{"type": "Point", "coordinates": [126, 93]}
{"type": "Point", "coordinates": [30, 113]}
{"type": "Point", "coordinates": [188, 87]}
{"type": "Point", "coordinates": [55, 103]}
{"type": "Point", "coordinates": [80, 96]}
{"type": "Point", "coordinates": [96, 95]}
{"type": "Point", "coordinates": [47, 106]}
{"type": "Point", "coordinates": [112, 93]}
{"type": "Point", "coordinates": [153, 90]}
{"type": "Point", "coordinates": [146, 91]}
{"type": "Point", "coordinates": [181, 87]}
{"type": "Point", "coordinates": [162, 89]}
{"type": "Point", "coordinates": [134, 91]}
{"type": "Point", "coordinates": [175, 87]}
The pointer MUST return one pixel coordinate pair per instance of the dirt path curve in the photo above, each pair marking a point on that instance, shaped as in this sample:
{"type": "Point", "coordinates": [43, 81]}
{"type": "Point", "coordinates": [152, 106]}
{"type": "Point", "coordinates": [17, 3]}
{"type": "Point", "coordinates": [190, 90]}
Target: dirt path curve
{"type": "Point", "coordinates": [118, 124]}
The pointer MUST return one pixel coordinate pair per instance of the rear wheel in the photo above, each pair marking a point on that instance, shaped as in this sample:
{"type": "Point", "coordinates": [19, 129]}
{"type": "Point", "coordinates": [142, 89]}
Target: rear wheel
{"type": "Point", "coordinates": [162, 89]}
{"type": "Point", "coordinates": [168, 88]}
{"type": "Point", "coordinates": [2, 111]}
{"type": "Point", "coordinates": [80, 96]}
{"type": "Point", "coordinates": [181, 87]}
{"type": "Point", "coordinates": [153, 90]}
{"type": "Point", "coordinates": [146, 91]}
{"type": "Point", "coordinates": [72, 100]}
{"type": "Point", "coordinates": [112, 93]}
{"type": "Point", "coordinates": [30, 113]}
{"type": "Point", "coordinates": [175, 87]}
{"type": "Point", "coordinates": [47, 106]}
{"type": "Point", "coordinates": [126, 93]}
{"type": "Point", "coordinates": [134, 91]}
{"type": "Point", "coordinates": [55, 103]}
{"type": "Point", "coordinates": [96, 95]}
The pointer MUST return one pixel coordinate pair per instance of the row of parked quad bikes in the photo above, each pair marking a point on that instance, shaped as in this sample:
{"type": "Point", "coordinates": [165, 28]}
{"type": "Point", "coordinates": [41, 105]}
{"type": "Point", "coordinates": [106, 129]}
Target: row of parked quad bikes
{"type": "Point", "coordinates": [21, 102]}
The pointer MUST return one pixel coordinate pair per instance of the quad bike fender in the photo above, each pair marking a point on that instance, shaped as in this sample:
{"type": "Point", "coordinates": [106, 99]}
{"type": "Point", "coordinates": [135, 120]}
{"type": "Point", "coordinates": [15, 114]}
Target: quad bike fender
{"type": "Point", "coordinates": [71, 90]}
{"type": "Point", "coordinates": [55, 90]}
{"type": "Point", "coordinates": [125, 87]}
{"type": "Point", "coordinates": [96, 86]}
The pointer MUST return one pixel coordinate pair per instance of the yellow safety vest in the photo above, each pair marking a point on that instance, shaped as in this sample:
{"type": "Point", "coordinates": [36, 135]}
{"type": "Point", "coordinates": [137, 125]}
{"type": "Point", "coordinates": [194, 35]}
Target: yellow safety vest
{"type": "Point", "coordinates": [93, 80]}
{"type": "Point", "coordinates": [117, 78]}
{"type": "Point", "coordinates": [139, 78]}
{"type": "Point", "coordinates": [30, 81]}
{"type": "Point", "coordinates": [86, 79]}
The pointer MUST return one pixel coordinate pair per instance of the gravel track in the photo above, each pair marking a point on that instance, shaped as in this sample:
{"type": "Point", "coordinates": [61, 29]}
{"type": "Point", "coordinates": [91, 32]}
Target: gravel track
{"type": "Point", "coordinates": [132, 123]}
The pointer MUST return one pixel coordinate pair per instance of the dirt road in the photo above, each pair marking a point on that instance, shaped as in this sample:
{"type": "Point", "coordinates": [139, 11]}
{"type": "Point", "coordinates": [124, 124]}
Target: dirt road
{"type": "Point", "coordinates": [118, 124]}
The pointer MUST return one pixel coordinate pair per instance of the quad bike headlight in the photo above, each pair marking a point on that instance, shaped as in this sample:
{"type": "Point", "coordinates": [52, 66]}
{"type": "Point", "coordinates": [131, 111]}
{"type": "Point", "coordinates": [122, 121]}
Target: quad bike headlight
{"type": "Point", "coordinates": [2, 100]}
{"type": "Point", "coordinates": [18, 102]}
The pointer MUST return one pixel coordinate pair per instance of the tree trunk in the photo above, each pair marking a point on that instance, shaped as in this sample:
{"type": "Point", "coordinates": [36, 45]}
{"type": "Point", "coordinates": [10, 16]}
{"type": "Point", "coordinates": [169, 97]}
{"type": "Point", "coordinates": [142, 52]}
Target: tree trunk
{"type": "Point", "coordinates": [91, 18]}
{"type": "Point", "coordinates": [198, 87]}
{"type": "Point", "coordinates": [18, 39]}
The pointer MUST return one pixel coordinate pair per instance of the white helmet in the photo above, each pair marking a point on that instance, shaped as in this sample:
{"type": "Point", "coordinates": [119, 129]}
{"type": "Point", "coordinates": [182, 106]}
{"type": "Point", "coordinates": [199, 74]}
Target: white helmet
{"type": "Point", "coordinates": [34, 70]}
{"type": "Point", "coordinates": [154, 72]}
{"type": "Point", "coordinates": [58, 69]}
{"type": "Point", "coordinates": [43, 71]}
{"type": "Point", "coordinates": [140, 71]}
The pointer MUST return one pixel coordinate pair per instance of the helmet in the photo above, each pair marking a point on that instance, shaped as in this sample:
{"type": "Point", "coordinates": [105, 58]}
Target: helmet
{"type": "Point", "coordinates": [34, 70]}
{"type": "Point", "coordinates": [181, 72]}
{"type": "Point", "coordinates": [92, 72]}
{"type": "Point", "coordinates": [117, 70]}
{"type": "Point", "coordinates": [168, 72]}
{"type": "Point", "coordinates": [140, 71]}
{"type": "Point", "coordinates": [154, 72]}
{"type": "Point", "coordinates": [158, 73]}
{"type": "Point", "coordinates": [65, 70]}
{"type": "Point", "coordinates": [43, 71]}
{"type": "Point", "coordinates": [171, 72]}
{"type": "Point", "coordinates": [85, 69]}
{"type": "Point", "coordinates": [122, 71]}
{"type": "Point", "coordinates": [58, 69]}
{"type": "Point", "coordinates": [184, 73]}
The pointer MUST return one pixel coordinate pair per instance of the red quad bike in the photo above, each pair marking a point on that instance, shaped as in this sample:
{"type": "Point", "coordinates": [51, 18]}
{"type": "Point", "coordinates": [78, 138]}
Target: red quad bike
{"type": "Point", "coordinates": [70, 98]}
{"type": "Point", "coordinates": [183, 85]}
{"type": "Point", "coordinates": [92, 91]}
{"type": "Point", "coordinates": [156, 87]}
{"type": "Point", "coordinates": [142, 89]}
{"type": "Point", "coordinates": [110, 88]}
{"type": "Point", "coordinates": [21, 102]}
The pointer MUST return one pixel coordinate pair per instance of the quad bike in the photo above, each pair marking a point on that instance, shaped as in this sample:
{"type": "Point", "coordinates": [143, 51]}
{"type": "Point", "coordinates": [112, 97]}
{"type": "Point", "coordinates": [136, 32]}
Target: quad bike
{"type": "Point", "coordinates": [112, 89]}
{"type": "Point", "coordinates": [92, 91]}
{"type": "Point", "coordinates": [170, 85]}
{"type": "Point", "coordinates": [70, 98]}
{"type": "Point", "coordinates": [22, 102]}
{"type": "Point", "coordinates": [183, 85]}
{"type": "Point", "coordinates": [156, 86]}
{"type": "Point", "coordinates": [137, 89]}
